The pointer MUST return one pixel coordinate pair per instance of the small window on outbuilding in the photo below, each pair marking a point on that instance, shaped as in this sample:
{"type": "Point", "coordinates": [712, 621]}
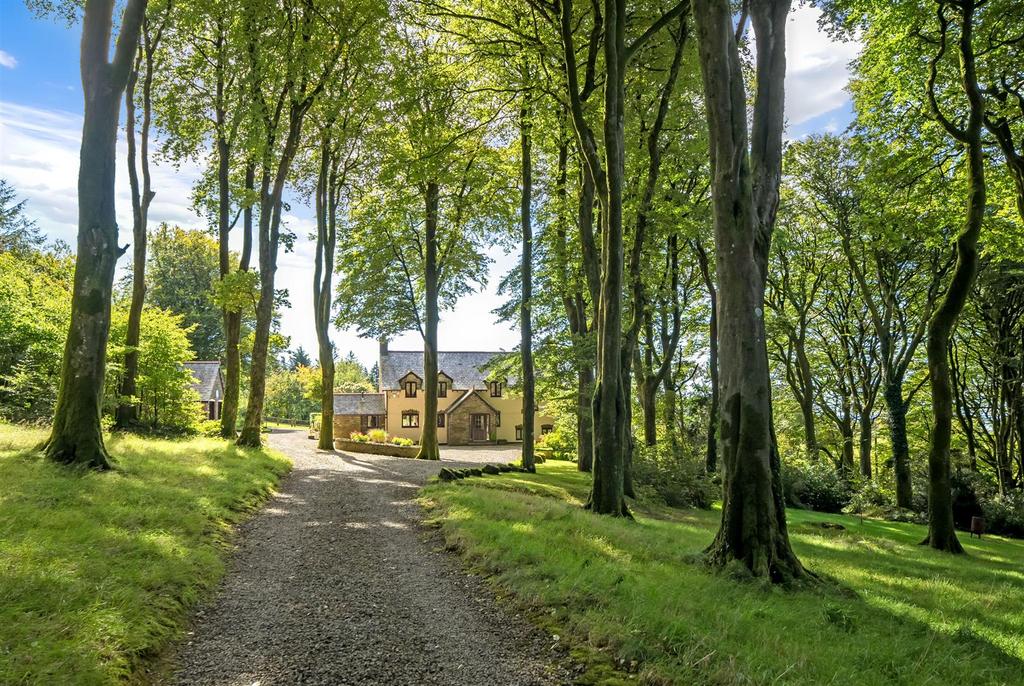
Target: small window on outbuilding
{"type": "Point", "coordinates": [497, 419]}
{"type": "Point", "coordinates": [440, 420]}
{"type": "Point", "coordinates": [410, 419]}
{"type": "Point", "coordinates": [519, 432]}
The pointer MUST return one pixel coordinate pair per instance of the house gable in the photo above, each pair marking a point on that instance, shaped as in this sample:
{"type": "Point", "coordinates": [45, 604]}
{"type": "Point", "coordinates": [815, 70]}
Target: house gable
{"type": "Point", "coordinates": [460, 412]}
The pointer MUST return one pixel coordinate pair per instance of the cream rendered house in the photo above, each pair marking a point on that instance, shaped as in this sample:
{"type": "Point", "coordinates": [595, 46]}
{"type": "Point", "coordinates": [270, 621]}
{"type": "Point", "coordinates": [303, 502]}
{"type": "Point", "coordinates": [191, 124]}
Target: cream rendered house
{"type": "Point", "coordinates": [472, 407]}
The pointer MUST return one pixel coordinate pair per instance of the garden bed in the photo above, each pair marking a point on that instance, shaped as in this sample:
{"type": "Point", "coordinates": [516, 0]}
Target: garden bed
{"type": "Point", "coordinates": [376, 448]}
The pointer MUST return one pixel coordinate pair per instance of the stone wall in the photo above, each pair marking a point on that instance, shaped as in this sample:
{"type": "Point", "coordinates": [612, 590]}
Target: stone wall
{"type": "Point", "coordinates": [345, 424]}
{"type": "Point", "coordinates": [376, 448]}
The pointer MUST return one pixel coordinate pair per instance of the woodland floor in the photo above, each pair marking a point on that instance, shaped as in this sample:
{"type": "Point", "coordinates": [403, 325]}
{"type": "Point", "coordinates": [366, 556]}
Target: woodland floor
{"type": "Point", "coordinates": [337, 582]}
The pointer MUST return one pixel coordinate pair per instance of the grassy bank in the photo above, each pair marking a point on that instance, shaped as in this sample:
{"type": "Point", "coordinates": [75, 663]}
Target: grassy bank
{"type": "Point", "coordinates": [98, 571]}
{"type": "Point", "coordinates": [632, 594]}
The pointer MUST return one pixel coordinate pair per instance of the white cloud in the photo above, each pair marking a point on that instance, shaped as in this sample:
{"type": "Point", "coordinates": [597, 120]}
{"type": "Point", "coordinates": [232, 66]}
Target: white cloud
{"type": "Point", "coordinates": [39, 157]}
{"type": "Point", "coordinates": [817, 67]}
{"type": "Point", "coordinates": [7, 60]}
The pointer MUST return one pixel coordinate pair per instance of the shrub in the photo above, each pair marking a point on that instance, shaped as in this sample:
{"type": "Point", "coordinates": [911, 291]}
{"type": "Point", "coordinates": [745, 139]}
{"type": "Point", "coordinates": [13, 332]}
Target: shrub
{"type": "Point", "coordinates": [675, 478]}
{"type": "Point", "coordinates": [1005, 514]}
{"type": "Point", "coordinates": [560, 443]}
{"type": "Point", "coordinates": [870, 497]}
{"type": "Point", "coordinates": [815, 486]}
{"type": "Point", "coordinates": [377, 435]}
{"type": "Point", "coordinates": [395, 440]}
{"type": "Point", "coordinates": [358, 437]}
{"type": "Point", "coordinates": [209, 427]}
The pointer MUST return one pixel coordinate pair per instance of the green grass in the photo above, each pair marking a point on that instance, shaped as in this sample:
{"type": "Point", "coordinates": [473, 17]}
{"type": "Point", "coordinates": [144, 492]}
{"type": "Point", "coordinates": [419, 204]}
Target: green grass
{"type": "Point", "coordinates": [634, 594]}
{"type": "Point", "coordinates": [98, 570]}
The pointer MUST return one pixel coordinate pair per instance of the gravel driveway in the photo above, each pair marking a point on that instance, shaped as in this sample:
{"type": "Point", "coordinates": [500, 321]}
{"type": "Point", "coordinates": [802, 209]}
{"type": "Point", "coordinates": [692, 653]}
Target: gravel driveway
{"type": "Point", "coordinates": [335, 582]}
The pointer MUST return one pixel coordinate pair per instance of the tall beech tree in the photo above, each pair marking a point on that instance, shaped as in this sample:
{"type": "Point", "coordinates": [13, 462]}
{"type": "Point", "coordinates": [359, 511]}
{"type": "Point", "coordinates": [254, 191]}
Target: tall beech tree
{"type": "Point", "coordinates": [745, 188]}
{"type": "Point", "coordinates": [605, 164]}
{"type": "Point", "coordinates": [417, 240]}
{"type": "Point", "coordinates": [340, 121]}
{"type": "Point", "coordinates": [956, 21]}
{"type": "Point", "coordinates": [287, 71]}
{"type": "Point", "coordinates": [202, 102]}
{"type": "Point", "coordinates": [142, 197]}
{"type": "Point", "coordinates": [526, 268]}
{"type": "Point", "coordinates": [76, 437]}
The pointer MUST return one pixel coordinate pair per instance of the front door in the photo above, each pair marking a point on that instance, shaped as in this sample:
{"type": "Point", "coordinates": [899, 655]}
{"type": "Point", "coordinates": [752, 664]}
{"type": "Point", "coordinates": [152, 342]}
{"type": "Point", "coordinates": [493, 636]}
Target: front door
{"type": "Point", "coordinates": [479, 427]}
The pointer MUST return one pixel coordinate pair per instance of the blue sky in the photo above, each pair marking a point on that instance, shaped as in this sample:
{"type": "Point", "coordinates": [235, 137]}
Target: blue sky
{"type": "Point", "coordinates": [40, 121]}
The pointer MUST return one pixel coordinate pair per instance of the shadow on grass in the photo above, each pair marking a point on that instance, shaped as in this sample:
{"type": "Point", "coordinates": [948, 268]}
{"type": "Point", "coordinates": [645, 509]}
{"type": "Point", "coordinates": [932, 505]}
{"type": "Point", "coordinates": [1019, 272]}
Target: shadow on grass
{"type": "Point", "coordinates": [99, 569]}
{"type": "Point", "coordinates": [890, 611]}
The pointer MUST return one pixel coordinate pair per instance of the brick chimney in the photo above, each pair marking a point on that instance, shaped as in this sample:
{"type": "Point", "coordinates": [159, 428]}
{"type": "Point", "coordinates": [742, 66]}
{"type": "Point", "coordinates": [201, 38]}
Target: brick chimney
{"type": "Point", "coordinates": [383, 346]}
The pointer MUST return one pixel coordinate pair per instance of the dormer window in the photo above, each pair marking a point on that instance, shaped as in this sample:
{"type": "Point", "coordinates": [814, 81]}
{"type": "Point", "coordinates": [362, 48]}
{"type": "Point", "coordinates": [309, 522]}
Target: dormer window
{"type": "Point", "coordinates": [495, 387]}
{"type": "Point", "coordinates": [442, 389]}
{"type": "Point", "coordinates": [410, 389]}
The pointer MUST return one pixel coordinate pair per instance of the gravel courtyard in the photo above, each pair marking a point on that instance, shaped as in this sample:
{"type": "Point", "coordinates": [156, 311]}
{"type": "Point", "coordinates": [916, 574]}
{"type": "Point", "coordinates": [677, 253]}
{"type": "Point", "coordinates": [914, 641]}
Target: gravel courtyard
{"type": "Point", "coordinates": [335, 582]}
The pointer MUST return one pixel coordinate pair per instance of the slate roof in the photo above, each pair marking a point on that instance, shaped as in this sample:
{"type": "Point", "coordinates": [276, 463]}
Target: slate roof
{"type": "Point", "coordinates": [465, 396]}
{"type": "Point", "coordinates": [358, 403]}
{"type": "Point", "coordinates": [464, 368]}
{"type": "Point", "coordinates": [208, 379]}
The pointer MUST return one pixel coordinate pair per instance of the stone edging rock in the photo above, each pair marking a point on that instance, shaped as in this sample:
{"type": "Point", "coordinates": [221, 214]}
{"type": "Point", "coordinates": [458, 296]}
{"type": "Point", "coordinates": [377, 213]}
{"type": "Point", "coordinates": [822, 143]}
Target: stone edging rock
{"type": "Point", "coordinates": [449, 474]}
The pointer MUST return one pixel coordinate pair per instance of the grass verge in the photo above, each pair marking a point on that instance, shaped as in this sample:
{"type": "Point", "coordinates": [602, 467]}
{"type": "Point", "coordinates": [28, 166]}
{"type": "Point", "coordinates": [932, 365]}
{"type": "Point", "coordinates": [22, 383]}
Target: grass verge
{"type": "Point", "coordinates": [636, 605]}
{"type": "Point", "coordinates": [98, 571]}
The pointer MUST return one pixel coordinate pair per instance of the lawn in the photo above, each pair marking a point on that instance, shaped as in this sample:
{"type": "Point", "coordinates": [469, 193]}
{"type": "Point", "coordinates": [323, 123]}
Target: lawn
{"type": "Point", "coordinates": [98, 571]}
{"type": "Point", "coordinates": [633, 594]}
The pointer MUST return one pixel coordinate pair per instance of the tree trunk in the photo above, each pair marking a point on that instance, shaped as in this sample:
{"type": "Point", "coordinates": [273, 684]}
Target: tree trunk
{"type": "Point", "coordinates": [846, 431]}
{"type": "Point", "coordinates": [526, 325]}
{"type": "Point", "coordinates": [941, 533]}
{"type": "Point", "coordinates": [607, 494]}
{"type": "Point", "coordinates": [866, 426]}
{"type": "Point", "coordinates": [711, 449]}
{"type": "Point", "coordinates": [753, 532]}
{"type": "Point", "coordinates": [126, 409]}
{"type": "Point", "coordinates": [897, 410]}
{"type": "Point", "coordinates": [584, 419]}
{"type": "Point", "coordinates": [807, 399]}
{"type": "Point", "coordinates": [326, 206]}
{"type": "Point", "coordinates": [669, 386]}
{"type": "Point", "coordinates": [233, 318]}
{"type": "Point", "coordinates": [648, 401]}
{"type": "Point", "coordinates": [141, 200]}
{"type": "Point", "coordinates": [429, 449]}
{"type": "Point", "coordinates": [270, 224]}
{"type": "Point", "coordinates": [76, 437]}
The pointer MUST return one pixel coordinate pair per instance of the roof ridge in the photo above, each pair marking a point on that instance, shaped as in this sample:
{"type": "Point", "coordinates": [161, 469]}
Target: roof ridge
{"type": "Point", "coordinates": [489, 352]}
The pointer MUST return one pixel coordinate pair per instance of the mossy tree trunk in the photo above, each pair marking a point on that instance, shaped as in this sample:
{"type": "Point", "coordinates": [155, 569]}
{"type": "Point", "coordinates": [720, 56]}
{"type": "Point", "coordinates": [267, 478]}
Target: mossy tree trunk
{"type": "Point", "coordinates": [429, 449]}
{"type": "Point", "coordinates": [941, 532]}
{"type": "Point", "coordinates": [753, 533]}
{"type": "Point", "coordinates": [76, 437]}
{"type": "Point", "coordinates": [525, 317]}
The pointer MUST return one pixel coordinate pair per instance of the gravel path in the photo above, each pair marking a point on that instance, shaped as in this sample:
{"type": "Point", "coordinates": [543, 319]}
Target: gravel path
{"type": "Point", "coordinates": [335, 582]}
